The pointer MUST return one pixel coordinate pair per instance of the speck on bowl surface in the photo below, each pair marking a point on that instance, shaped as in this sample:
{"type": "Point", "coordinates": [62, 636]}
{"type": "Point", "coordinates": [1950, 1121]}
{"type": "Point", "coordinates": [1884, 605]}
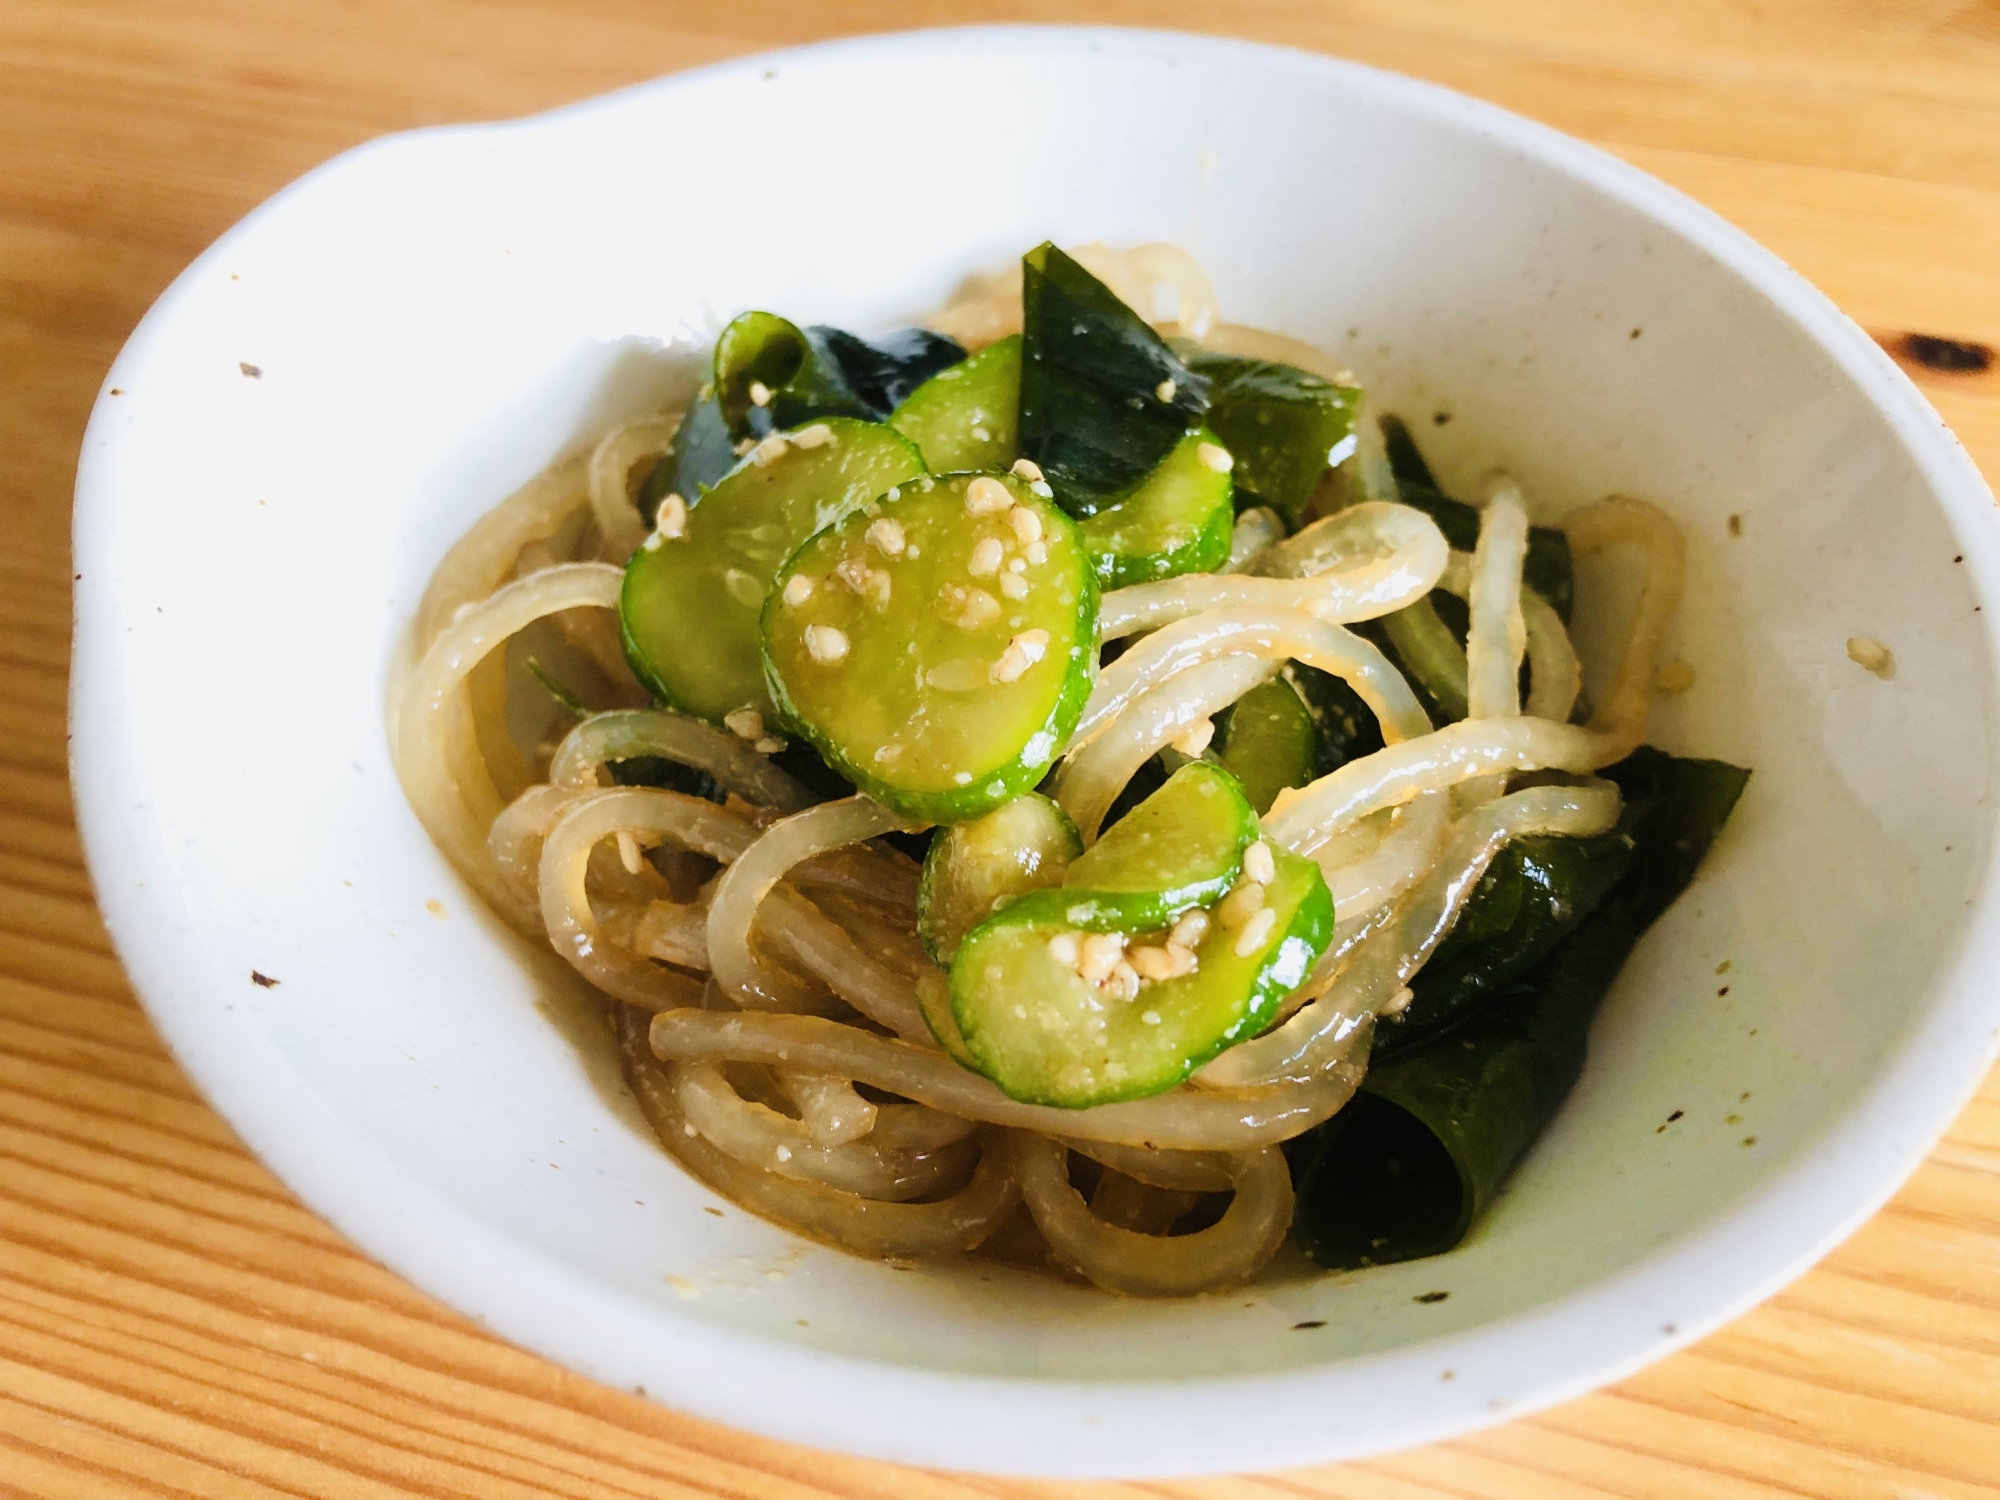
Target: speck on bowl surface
{"type": "Point", "coordinates": [332, 393]}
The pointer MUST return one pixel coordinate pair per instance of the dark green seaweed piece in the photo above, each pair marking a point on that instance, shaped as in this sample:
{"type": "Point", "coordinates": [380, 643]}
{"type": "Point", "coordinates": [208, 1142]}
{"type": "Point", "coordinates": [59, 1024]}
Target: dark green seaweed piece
{"type": "Point", "coordinates": [1404, 1171]}
{"type": "Point", "coordinates": [1102, 396]}
{"type": "Point", "coordinates": [884, 370]}
{"type": "Point", "coordinates": [1535, 893]}
{"type": "Point", "coordinates": [1547, 569]}
{"type": "Point", "coordinates": [1283, 424]}
{"type": "Point", "coordinates": [701, 453]}
{"type": "Point", "coordinates": [805, 373]}
{"type": "Point", "coordinates": [1348, 728]}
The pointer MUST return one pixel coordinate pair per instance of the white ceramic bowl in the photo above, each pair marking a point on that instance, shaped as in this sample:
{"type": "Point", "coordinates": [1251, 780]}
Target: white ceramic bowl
{"type": "Point", "coordinates": [438, 315]}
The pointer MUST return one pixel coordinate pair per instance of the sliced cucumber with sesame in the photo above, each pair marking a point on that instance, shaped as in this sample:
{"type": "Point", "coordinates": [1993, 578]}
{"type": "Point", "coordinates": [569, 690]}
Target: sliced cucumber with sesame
{"type": "Point", "coordinates": [967, 417]}
{"type": "Point", "coordinates": [1182, 847]}
{"type": "Point", "coordinates": [1178, 520]}
{"type": "Point", "coordinates": [937, 649]}
{"type": "Point", "coordinates": [1033, 1019]}
{"type": "Point", "coordinates": [972, 869]}
{"type": "Point", "coordinates": [1271, 742]}
{"type": "Point", "coordinates": [689, 608]}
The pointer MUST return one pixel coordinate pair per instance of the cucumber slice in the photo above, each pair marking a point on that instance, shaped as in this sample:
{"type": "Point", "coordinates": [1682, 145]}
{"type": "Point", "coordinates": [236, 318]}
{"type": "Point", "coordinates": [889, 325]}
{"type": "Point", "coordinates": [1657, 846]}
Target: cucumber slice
{"type": "Point", "coordinates": [688, 611]}
{"type": "Point", "coordinates": [934, 1002]}
{"type": "Point", "coordinates": [1182, 847]}
{"type": "Point", "coordinates": [1178, 520]}
{"type": "Point", "coordinates": [932, 690]}
{"type": "Point", "coordinates": [1284, 425]}
{"type": "Point", "coordinates": [1045, 1035]}
{"type": "Point", "coordinates": [967, 417]}
{"type": "Point", "coordinates": [972, 869]}
{"type": "Point", "coordinates": [1271, 742]}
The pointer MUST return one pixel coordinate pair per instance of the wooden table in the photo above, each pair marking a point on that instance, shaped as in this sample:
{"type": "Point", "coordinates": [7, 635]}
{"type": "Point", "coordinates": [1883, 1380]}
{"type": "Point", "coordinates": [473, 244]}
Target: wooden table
{"type": "Point", "coordinates": [172, 1322]}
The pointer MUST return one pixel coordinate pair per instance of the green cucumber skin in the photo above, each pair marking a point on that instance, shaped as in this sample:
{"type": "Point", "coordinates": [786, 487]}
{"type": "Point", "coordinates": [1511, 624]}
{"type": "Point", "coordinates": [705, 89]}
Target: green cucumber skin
{"type": "Point", "coordinates": [1178, 519]}
{"type": "Point", "coordinates": [932, 415]}
{"type": "Point", "coordinates": [1100, 904]}
{"type": "Point", "coordinates": [1284, 965]}
{"type": "Point", "coordinates": [1050, 850]}
{"type": "Point", "coordinates": [987, 790]}
{"type": "Point", "coordinates": [650, 657]}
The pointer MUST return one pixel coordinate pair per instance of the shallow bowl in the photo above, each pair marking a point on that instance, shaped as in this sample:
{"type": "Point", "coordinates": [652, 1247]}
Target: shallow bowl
{"type": "Point", "coordinates": [333, 392]}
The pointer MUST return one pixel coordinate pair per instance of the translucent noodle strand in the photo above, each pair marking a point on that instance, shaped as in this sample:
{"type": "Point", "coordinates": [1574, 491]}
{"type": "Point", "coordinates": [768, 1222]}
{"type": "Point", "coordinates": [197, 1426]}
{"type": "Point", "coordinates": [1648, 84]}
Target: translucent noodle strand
{"type": "Point", "coordinates": [423, 756]}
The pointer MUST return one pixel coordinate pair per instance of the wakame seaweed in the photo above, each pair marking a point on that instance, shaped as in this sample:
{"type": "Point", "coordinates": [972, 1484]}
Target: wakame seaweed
{"type": "Point", "coordinates": [1405, 1169]}
{"type": "Point", "coordinates": [817, 371]}
{"type": "Point", "coordinates": [1103, 398]}
{"type": "Point", "coordinates": [806, 373]}
{"type": "Point", "coordinates": [701, 453]}
{"type": "Point", "coordinates": [1283, 425]}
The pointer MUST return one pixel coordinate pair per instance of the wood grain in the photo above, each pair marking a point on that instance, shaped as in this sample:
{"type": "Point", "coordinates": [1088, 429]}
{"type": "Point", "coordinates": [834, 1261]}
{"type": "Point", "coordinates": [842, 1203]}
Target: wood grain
{"type": "Point", "coordinates": [173, 1323]}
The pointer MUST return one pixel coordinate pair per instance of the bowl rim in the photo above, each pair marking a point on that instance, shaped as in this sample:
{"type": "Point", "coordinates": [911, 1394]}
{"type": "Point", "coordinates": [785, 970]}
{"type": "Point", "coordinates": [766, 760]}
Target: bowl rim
{"type": "Point", "coordinates": [1088, 1429]}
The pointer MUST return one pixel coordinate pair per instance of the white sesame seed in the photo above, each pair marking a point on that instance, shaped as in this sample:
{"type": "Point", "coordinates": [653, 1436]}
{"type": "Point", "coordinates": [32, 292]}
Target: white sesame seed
{"type": "Point", "coordinates": [1258, 863]}
{"type": "Point", "coordinates": [895, 492]}
{"type": "Point", "coordinates": [1256, 932]}
{"type": "Point", "coordinates": [1027, 525]}
{"type": "Point", "coordinates": [687, 1129]}
{"type": "Point", "coordinates": [987, 496]}
{"type": "Point", "coordinates": [1871, 656]}
{"type": "Point", "coordinates": [783, 1153]}
{"type": "Point", "coordinates": [628, 852]}
{"type": "Point", "coordinates": [982, 434]}
{"type": "Point", "coordinates": [1244, 900]}
{"type": "Point", "coordinates": [1012, 663]}
{"type": "Point", "coordinates": [769, 745]}
{"type": "Point", "coordinates": [826, 644]}
{"type": "Point", "coordinates": [986, 557]}
{"type": "Point", "coordinates": [1064, 950]}
{"type": "Point", "coordinates": [769, 451]}
{"type": "Point", "coordinates": [1034, 642]}
{"type": "Point", "coordinates": [819, 435]}
{"type": "Point", "coordinates": [744, 447]}
{"type": "Point", "coordinates": [1194, 739]}
{"type": "Point", "coordinates": [887, 535]}
{"type": "Point", "coordinates": [1041, 487]}
{"type": "Point", "coordinates": [745, 724]}
{"type": "Point", "coordinates": [1189, 930]}
{"type": "Point", "coordinates": [1122, 983]}
{"type": "Point", "coordinates": [672, 521]}
{"type": "Point", "coordinates": [1017, 565]}
{"type": "Point", "coordinates": [1152, 963]}
{"type": "Point", "coordinates": [1099, 954]}
{"type": "Point", "coordinates": [1037, 553]}
{"type": "Point", "coordinates": [652, 543]}
{"type": "Point", "coordinates": [854, 572]}
{"type": "Point", "coordinates": [961, 778]}
{"type": "Point", "coordinates": [760, 393]}
{"type": "Point", "coordinates": [798, 589]}
{"type": "Point", "coordinates": [1013, 585]}
{"type": "Point", "coordinates": [970, 609]}
{"type": "Point", "coordinates": [1212, 457]}
{"type": "Point", "coordinates": [1399, 1002]}
{"type": "Point", "coordinates": [1165, 390]}
{"type": "Point", "coordinates": [1183, 959]}
{"type": "Point", "coordinates": [1028, 469]}
{"type": "Point", "coordinates": [1150, 1017]}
